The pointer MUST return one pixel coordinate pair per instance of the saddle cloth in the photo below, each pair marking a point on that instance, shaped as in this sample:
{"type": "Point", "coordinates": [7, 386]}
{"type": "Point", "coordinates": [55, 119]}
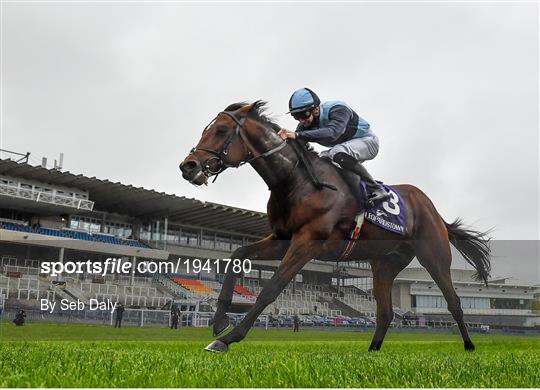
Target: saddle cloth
{"type": "Point", "coordinates": [389, 215]}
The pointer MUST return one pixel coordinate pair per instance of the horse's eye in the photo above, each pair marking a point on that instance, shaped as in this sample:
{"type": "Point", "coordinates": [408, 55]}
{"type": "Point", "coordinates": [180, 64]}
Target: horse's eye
{"type": "Point", "coordinates": [221, 130]}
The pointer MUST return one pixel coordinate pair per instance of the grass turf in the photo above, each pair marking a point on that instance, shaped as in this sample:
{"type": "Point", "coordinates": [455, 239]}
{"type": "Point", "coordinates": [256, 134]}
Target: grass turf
{"type": "Point", "coordinates": [59, 355]}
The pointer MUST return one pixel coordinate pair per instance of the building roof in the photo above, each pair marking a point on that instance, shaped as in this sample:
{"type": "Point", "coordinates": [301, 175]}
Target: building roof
{"type": "Point", "coordinates": [143, 203]}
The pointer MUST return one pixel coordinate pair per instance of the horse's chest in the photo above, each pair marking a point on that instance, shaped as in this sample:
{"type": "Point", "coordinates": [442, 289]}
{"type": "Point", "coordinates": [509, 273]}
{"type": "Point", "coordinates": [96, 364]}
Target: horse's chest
{"type": "Point", "coordinates": [287, 226]}
{"type": "Point", "coordinates": [280, 228]}
{"type": "Point", "coordinates": [287, 218]}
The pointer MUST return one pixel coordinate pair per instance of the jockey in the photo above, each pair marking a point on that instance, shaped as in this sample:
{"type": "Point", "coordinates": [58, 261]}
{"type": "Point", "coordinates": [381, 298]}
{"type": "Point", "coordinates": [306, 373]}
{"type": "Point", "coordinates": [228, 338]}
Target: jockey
{"type": "Point", "coordinates": [336, 125]}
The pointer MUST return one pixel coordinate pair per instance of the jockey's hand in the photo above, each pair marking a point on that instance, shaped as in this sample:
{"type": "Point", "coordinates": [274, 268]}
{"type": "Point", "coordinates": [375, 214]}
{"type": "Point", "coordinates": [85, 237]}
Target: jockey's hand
{"type": "Point", "coordinates": [285, 134]}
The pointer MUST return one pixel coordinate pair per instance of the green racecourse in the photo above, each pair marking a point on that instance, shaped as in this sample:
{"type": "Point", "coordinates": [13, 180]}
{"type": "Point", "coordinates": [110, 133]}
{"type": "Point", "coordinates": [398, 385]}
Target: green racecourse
{"type": "Point", "coordinates": [60, 355]}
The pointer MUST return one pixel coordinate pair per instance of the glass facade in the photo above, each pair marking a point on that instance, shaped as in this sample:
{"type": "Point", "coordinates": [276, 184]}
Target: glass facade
{"type": "Point", "coordinates": [94, 225]}
{"type": "Point", "coordinates": [188, 236]}
{"type": "Point", "coordinates": [208, 240]}
{"type": "Point", "coordinates": [435, 301]}
{"type": "Point", "coordinates": [431, 301]}
{"type": "Point", "coordinates": [508, 303]}
{"type": "Point", "coordinates": [118, 229]}
{"type": "Point", "coordinates": [88, 224]}
{"type": "Point", "coordinates": [365, 284]}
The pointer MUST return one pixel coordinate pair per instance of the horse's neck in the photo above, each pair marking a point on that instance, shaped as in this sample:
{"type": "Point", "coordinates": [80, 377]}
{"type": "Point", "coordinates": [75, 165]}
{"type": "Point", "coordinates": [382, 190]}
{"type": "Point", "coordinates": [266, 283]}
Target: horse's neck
{"type": "Point", "coordinates": [283, 171]}
{"type": "Point", "coordinates": [277, 168]}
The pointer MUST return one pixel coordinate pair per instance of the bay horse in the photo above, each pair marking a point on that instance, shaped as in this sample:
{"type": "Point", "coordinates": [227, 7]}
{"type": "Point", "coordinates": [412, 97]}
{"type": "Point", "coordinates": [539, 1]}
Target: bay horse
{"type": "Point", "coordinates": [313, 222]}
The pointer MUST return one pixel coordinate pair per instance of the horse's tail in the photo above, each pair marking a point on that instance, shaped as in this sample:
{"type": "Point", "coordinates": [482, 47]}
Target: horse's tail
{"type": "Point", "coordinates": [473, 246]}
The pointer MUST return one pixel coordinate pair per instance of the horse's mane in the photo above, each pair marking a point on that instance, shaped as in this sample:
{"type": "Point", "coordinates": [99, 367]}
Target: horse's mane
{"type": "Point", "coordinates": [257, 113]}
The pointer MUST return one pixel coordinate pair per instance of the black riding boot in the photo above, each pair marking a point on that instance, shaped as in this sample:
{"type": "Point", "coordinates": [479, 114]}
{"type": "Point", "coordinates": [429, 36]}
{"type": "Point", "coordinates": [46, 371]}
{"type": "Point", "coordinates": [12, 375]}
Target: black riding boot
{"type": "Point", "coordinates": [376, 192]}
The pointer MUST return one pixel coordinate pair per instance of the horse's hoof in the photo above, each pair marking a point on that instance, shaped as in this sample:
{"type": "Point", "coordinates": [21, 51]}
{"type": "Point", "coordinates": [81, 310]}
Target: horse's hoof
{"type": "Point", "coordinates": [220, 327]}
{"type": "Point", "coordinates": [375, 346]}
{"type": "Point", "coordinates": [469, 346]}
{"type": "Point", "coordinates": [217, 346]}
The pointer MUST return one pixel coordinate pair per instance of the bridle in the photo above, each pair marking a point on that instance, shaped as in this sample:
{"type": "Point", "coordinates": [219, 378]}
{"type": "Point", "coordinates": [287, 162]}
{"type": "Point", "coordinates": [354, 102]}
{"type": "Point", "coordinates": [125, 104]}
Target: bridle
{"type": "Point", "coordinates": [222, 154]}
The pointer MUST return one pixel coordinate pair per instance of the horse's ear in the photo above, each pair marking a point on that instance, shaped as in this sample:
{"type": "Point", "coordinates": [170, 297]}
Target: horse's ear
{"type": "Point", "coordinates": [253, 107]}
{"type": "Point", "coordinates": [248, 108]}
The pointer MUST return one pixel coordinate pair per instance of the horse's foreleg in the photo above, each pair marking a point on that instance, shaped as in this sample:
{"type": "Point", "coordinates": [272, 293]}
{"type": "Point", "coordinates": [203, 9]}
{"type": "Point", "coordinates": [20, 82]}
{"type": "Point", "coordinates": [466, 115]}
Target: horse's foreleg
{"type": "Point", "coordinates": [269, 248]}
{"type": "Point", "coordinates": [300, 251]}
{"type": "Point", "coordinates": [385, 271]}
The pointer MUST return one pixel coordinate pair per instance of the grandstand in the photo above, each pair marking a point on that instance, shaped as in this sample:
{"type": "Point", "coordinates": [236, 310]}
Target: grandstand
{"type": "Point", "coordinates": [72, 234]}
{"type": "Point", "coordinates": [50, 215]}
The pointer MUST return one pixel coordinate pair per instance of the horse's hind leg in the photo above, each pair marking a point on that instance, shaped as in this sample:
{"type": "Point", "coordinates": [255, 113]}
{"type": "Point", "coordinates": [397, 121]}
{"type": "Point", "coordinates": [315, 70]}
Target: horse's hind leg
{"type": "Point", "coordinates": [434, 254]}
{"type": "Point", "coordinates": [385, 271]}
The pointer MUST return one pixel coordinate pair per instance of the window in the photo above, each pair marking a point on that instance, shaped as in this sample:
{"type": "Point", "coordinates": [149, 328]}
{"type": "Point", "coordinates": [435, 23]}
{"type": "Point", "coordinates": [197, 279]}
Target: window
{"type": "Point", "coordinates": [120, 229]}
{"type": "Point", "coordinates": [26, 190]}
{"type": "Point", "coordinates": [510, 303]}
{"type": "Point", "coordinates": [63, 193]}
{"type": "Point", "coordinates": [7, 182]}
{"type": "Point", "coordinates": [364, 284]}
{"type": "Point", "coordinates": [223, 242]}
{"type": "Point", "coordinates": [475, 303]}
{"type": "Point", "coordinates": [189, 237]}
{"type": "Point", "coordinates": [144, 233]}
{"type": "Point", "coordinates": [208, 240]}
{"type": "Point", "coordinates": [172, 234]}
{"type": "Point", "coordinates": [236, 242]}
{"type": "Point", "coordinates": [43, 190]}
{"type": "Point", "coordinates": [430, 301]}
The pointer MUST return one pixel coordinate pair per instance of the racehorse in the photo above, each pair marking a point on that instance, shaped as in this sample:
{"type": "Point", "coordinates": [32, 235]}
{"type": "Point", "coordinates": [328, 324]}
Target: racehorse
{"type": "Point", "coordinates": [314, 222]}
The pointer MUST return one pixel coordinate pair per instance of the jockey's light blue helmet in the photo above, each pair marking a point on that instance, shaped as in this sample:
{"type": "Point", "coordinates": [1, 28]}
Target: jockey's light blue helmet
{"type": "Point", "coordinates": [303, 99]}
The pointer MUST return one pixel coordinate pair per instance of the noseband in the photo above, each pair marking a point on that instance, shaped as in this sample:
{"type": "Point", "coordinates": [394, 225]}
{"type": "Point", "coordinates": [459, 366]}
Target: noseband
{"type": "Point", "coordinates": [222, 154]}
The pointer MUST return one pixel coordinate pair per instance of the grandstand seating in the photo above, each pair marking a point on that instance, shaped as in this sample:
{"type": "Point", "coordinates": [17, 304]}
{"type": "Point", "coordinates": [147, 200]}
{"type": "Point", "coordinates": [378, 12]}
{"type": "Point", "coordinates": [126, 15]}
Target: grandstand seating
{"type": "Point", "coordinates": [193, 285]}
{"type": "Point", "coordinates": [73, 234]}
{"type": "Point", "coordinates": [243, 291]}
{"type": "Point", "coordinates": [140, 294]}
{"type": "Point", "coordinates": [174, 288]}
{"type": "Point", "coordinates": [306, 297]}
{"type": "Point", "coordinates": [158, 290]}
{"type": "Point", "coordinates": [204, 288]}
{"type": "Point", "coordinates": [29, 285]}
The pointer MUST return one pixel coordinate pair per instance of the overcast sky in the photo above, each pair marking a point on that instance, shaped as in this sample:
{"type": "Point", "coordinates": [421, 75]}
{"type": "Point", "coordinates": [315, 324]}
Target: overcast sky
{"type": "Point", "coordinates": [125, 89]}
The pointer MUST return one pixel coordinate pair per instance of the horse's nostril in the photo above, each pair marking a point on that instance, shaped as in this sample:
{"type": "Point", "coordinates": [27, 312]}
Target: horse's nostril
{"type": "Point", "coordinates": [188, 166]}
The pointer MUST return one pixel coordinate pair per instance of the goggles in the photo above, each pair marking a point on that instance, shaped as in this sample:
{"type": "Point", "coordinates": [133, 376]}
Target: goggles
{"type": "Point", "coordinates": [301, 115]}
